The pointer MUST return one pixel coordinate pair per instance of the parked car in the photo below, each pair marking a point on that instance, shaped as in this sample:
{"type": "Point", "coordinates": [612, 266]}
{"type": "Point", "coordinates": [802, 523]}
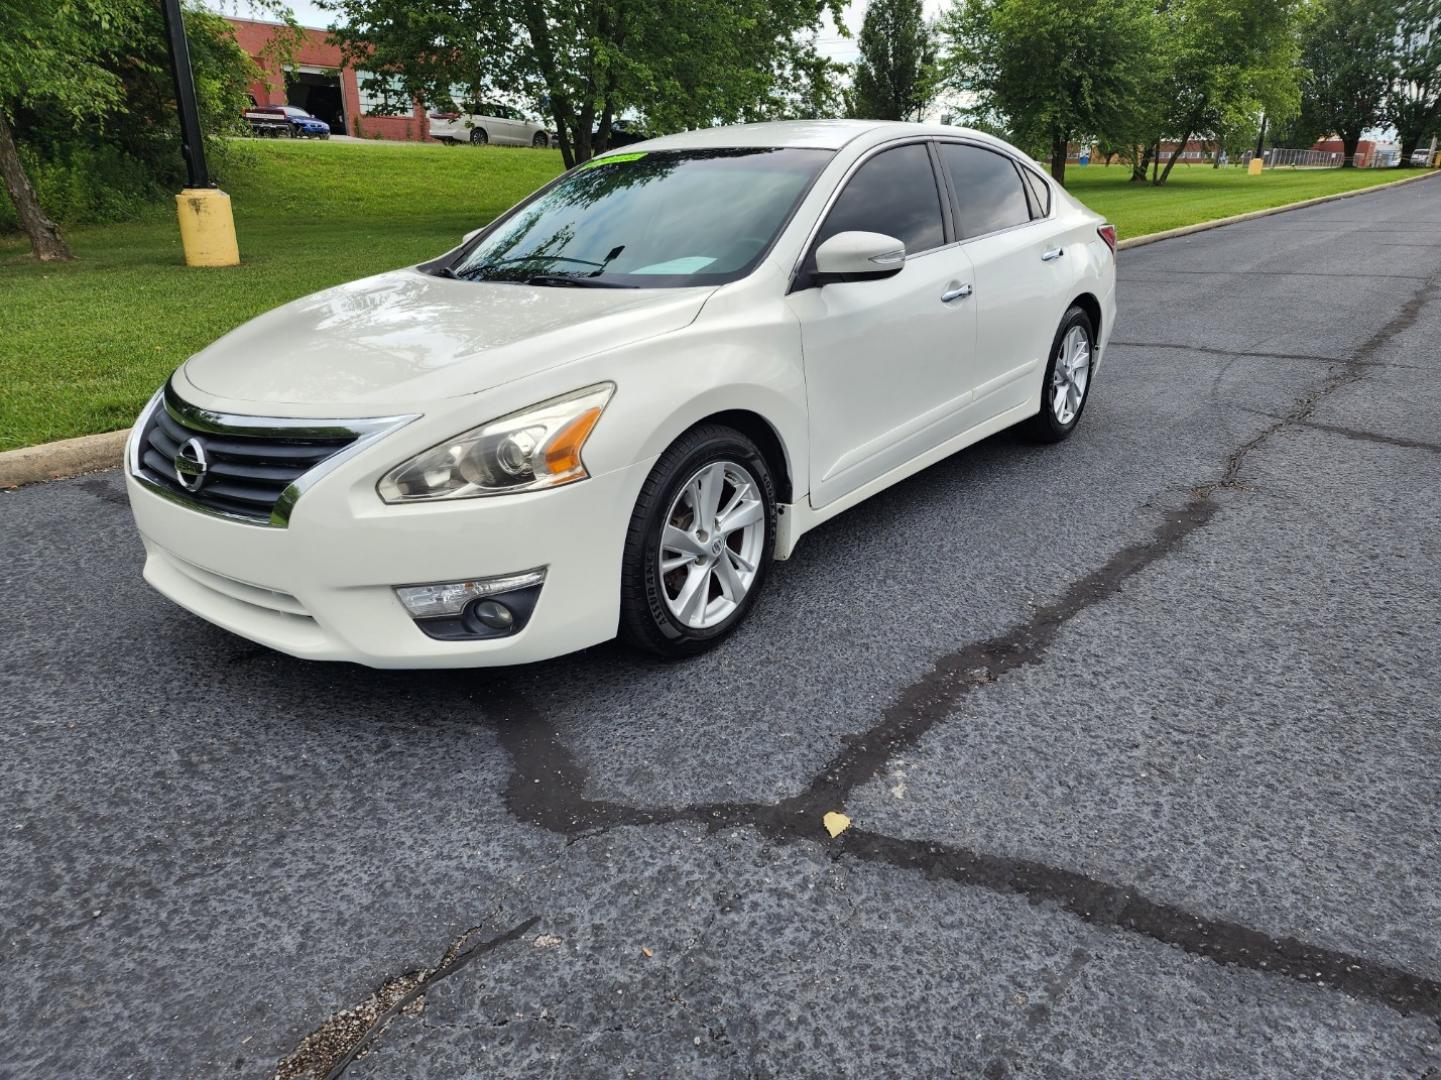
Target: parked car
{"type": "Point", "coordinates": [285, 121]}
{"type": "Point", "coordinates": [608, 411]}
{"type": "Point", "coordinates": [624, 133]}
{"type": "Point", "coordinates": [488, 123]}
{"type": "Point", "coordinates": [1421, 157]}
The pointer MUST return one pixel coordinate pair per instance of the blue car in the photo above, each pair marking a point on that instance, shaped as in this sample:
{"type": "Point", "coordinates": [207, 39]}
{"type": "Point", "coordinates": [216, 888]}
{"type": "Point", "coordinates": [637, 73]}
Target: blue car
{"type": "Point", "coordinates": [285, 121]}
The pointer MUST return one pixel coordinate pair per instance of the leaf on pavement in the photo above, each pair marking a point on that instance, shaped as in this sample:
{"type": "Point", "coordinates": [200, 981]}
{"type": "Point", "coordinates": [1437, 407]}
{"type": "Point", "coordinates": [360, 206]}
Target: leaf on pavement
{"type": "Point", "coordinates": [836, 823]}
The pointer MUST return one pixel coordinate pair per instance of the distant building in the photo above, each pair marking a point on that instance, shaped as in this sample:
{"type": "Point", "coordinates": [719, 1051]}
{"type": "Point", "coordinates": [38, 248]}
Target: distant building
{"type": "Point", "coordinates": [319, 81]}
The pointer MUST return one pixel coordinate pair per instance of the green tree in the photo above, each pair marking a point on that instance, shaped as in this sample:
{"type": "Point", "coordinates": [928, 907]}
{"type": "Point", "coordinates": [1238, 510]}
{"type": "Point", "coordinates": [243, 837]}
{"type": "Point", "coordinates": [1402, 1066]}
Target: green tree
{"type": "Point", "coordinates": [678, 63]}
{"type": "Point", "coordinates": [95, 75]}
{"type": "Point", "coordinates": [1051, 72]}
{"type": "Point", "coordinates": [894, 75]}
{"type": "Point", "coordinates": [52, 56]}
{"type": "Point", "coordinates": [1224, 60]}
{"type": "Point", "coordinates": [1413, 99]}
{"type": "Point", "coordinates": [1347, 49]}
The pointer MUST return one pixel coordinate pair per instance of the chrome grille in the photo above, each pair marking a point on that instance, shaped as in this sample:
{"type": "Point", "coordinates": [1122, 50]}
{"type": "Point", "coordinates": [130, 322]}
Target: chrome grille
{"type": "Point", "coordinates": [246, 468]}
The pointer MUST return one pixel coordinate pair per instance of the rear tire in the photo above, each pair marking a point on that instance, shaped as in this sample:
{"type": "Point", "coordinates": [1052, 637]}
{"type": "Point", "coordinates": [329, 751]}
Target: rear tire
{"type": "Point", "coordinates": [1066, 386]}
{"type": "Point", "coordinates": [688, 578]}
{"type": "Point", "coordinates": [478, 137]}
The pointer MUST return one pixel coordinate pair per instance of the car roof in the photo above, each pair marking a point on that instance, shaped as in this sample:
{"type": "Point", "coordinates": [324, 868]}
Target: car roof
{"type": "Point", "coordinates": [813, 134]}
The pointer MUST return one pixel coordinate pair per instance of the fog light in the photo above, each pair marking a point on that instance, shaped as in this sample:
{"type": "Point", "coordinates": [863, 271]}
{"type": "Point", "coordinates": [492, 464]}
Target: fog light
{"type": "Point", "coordinates": [450, 598]}
{"type": "Point", "coordinates": [493, 614]}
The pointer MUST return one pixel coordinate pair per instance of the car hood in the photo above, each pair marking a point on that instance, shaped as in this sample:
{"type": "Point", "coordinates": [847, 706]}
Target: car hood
{"type": "Point", "coordinates": [407, 337]}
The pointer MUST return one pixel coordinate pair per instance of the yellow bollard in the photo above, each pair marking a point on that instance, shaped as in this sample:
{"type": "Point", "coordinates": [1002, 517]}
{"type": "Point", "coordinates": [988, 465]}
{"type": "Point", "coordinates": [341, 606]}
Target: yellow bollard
{"type": "Point", "coordinates": [1254, 169]}
{"type": "Point", "coordinates": [207, 228]}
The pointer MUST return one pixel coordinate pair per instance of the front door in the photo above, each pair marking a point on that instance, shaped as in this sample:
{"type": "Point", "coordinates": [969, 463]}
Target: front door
{"type": "Point", "coordinates": [886, 360]}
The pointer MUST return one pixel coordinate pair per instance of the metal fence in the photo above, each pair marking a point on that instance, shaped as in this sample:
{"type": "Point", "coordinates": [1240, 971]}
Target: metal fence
{"type": "Point", "coordinates": [1279, 158]}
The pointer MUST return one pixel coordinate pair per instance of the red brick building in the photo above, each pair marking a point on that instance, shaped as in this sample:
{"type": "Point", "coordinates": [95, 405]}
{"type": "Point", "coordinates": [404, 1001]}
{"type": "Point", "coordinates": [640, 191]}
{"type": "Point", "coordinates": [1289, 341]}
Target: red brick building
{"type": "Point", "coordinates": [1365, 150]}
{"type": "Point", "coordinates": [319, 81]}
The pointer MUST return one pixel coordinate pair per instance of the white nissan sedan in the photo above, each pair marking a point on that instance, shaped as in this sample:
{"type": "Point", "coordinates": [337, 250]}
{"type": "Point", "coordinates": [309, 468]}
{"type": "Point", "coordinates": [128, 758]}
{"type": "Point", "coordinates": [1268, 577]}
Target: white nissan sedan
{"type": "Point", "coordinates": [607, 412]}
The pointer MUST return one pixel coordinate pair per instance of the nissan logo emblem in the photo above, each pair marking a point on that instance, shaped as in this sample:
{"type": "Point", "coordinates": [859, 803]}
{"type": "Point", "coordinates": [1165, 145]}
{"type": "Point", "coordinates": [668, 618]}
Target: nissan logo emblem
{"type": "Point", "coordinates": [191, 465]}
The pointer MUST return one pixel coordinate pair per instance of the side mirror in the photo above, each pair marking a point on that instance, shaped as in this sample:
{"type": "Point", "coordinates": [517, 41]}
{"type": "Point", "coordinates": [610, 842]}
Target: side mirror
{"type": "Point", "coordinates": [468, 237]}
{"type": "Point", "coordinates": [856, 256]}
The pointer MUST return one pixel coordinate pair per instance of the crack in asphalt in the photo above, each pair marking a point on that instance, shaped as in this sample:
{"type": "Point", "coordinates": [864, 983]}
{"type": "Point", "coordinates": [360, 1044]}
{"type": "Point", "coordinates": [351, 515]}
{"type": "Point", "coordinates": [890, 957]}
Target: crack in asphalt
{"type": "Point", "coordinates": [547, 784]}
{"type": "Point", "coordinates": [1371, 436]}
{"type": "Point", "coordinates": [328, 1051]}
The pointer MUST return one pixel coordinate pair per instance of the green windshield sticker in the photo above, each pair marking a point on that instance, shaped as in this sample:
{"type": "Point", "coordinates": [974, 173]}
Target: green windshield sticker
{"type": "Point", "coordinates": [614, 159]}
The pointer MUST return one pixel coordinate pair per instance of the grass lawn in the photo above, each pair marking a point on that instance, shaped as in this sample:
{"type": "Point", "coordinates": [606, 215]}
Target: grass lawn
{"type": "Point", "coordinates": [84, 344]}
{"type": "Point", "coordinates": [1200, 193]}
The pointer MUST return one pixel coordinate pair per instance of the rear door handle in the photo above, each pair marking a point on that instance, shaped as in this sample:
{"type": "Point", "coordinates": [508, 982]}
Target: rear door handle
{"type": "Point", "coordinates": [960, 292]}
{"type": "Point", "coordinates": [1053, 254]}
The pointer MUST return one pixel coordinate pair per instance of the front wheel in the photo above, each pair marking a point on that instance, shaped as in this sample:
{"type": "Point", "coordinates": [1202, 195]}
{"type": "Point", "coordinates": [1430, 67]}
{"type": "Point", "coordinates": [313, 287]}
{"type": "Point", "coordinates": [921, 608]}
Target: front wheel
{"type": "Point", "coordinates": [540, 142]}
{"type": "Point", "coordinates": [1067, 383]}
{"type": "Point", "coordinates": [700, 541]}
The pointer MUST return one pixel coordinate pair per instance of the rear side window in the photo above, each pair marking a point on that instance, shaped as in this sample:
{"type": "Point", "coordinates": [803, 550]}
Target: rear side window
{"type": "Point", "coordinates": [893, 193]}
{"type": "Point", "coordinates": [1040, 192]}
{"type": "Point", "coordinates": [988, 188]}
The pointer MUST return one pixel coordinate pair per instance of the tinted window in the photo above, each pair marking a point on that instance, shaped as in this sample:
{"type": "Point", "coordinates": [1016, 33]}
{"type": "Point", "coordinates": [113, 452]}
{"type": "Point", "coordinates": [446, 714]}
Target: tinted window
{"type": "Point", "coordinates": [1040, 192]}
{"type": "Point", "coordinates": [893, 193]}
{"type": "Point", "coordinates": [987, 187]}
{"type": "Point", "coordinates": [650, 220]}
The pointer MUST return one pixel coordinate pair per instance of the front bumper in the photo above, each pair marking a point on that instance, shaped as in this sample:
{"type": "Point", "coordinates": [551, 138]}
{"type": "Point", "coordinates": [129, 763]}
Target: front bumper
{"type": "Point", "coordinates": [323, 587]}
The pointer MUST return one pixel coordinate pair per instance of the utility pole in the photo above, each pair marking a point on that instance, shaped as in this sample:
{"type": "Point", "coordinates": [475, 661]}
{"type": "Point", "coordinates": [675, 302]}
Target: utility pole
{"type": "Point", "coordinates": [207, 227]}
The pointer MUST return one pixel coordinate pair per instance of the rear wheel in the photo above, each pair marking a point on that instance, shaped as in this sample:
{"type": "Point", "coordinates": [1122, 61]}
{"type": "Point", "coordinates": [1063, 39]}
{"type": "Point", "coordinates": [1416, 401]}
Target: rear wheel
{"type": "Point", "coordinates": [478, 137]}
{"type": "Point", "coordinates": [699, 544]}
{"type": "Point", "coordinates": [1067, 384]}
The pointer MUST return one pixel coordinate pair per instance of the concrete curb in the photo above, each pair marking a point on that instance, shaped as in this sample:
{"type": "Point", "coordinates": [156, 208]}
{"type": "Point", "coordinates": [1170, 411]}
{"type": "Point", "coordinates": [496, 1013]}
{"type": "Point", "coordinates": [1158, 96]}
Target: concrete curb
{"type": "Point", "coordinates": [1252, 215]}
{"type": "Point", "coordinates": [91, 453]}
{"type": "Point", "coordinates": [57, 460]}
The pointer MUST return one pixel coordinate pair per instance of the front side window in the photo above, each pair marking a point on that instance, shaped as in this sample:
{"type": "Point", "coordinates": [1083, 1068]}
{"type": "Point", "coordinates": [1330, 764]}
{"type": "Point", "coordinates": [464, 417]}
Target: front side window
{"type": "Point", "coordinates": [894, 193]}
{"type": "Point", "coordinates": [988, 189]}
{"type": "Point", "coordinates": [665, 218]}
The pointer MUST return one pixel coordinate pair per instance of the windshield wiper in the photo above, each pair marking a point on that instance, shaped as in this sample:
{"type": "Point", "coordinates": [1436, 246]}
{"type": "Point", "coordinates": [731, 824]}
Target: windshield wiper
{"type": "Point", "coordinates": [569, 281]}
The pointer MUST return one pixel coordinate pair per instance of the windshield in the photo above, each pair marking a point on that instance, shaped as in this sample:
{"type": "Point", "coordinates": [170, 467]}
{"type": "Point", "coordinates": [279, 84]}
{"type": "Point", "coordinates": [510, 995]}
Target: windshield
{"type": "Point", "coordinates": [645, 220]}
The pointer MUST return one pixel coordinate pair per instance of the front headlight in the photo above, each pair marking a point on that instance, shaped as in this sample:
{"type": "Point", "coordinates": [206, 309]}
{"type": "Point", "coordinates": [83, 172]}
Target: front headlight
{"type": "Point", "coordinates": [535, 448]}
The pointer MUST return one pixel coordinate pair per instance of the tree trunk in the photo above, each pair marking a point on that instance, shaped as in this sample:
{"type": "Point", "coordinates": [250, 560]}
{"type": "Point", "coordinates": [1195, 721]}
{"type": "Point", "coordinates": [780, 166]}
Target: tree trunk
{"type": "Point", "coordinates": [565, 126]}
{"type": "Point", "coordinates": [1175, 156]}
{"type": "Point", "coordinates": [1059, 146]}
{"type": "Point", "coordinates": [1141, 163]}
{"type": "Point", "coordinates": [1409, 141]}
{"type": "Point", "coordinates": [46, 243]}
{"type": "Point", "coordinates": [1350, 140]}
{"type": "Point", "coordinates": [1216, 157]}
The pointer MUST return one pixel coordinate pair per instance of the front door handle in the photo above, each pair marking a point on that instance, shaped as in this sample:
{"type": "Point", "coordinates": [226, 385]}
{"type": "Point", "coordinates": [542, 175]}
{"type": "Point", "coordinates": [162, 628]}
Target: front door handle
{"type": "Point", "coordinates": [1053, 254]}
{"type": "Point", "coordinates": [960, 292]}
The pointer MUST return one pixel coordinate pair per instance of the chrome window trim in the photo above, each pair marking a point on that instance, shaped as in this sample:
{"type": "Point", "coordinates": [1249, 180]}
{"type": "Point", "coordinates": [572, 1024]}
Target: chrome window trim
{"type": "Point", "coordinates": [364, 430]}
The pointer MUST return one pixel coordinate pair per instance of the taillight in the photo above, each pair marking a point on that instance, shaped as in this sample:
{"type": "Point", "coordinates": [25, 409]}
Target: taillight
{"type": "Point", "coordinates": [444, 115]}
{"type": "Point", "coordinates": [1108, 234]}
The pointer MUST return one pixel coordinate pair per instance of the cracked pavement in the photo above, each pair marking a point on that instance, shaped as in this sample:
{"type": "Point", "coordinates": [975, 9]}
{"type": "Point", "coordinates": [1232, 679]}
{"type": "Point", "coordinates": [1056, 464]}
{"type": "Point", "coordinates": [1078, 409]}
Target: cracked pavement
{"type": "Point", "coordinates": [1138, 733]}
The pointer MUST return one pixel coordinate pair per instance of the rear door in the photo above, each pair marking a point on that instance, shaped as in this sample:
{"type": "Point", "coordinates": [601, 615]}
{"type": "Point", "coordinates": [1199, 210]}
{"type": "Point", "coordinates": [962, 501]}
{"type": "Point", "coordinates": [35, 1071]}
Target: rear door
{"type": "Point", "coordinates": [1023, 279]}
{"type": "Point", "coordinates": [886, 359]}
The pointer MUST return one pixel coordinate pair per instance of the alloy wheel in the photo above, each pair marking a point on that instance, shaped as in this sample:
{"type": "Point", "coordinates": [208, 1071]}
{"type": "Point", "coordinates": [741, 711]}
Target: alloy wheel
{"type": "Point", "coordinates": [712, 542]}
{"type": "Point", "coordinates": [1072, 373]}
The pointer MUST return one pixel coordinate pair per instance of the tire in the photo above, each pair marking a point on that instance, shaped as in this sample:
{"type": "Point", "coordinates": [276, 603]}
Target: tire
{"type": "Point", "coordinates": [478, 137]}
{"type": "Point", "coordinates": [654, 612]}
{"type": "Point", "coordinates": [1073, 353]}
{"type": "Point", "coordinates": [540, 142]}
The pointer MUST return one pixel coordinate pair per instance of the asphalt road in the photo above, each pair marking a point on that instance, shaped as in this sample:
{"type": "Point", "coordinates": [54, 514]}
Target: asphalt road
{"type": "Point", "coordinates": [1139, 734]}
